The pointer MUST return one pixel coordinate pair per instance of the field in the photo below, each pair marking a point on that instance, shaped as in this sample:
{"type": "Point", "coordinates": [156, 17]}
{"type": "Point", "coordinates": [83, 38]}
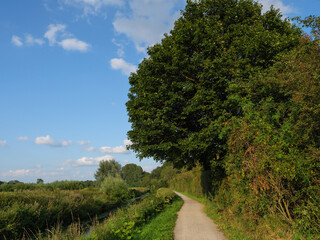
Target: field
{"type": "Point", "coordinates": [25, 213]}
{"type": "Point", "coordinates": [42, 212]}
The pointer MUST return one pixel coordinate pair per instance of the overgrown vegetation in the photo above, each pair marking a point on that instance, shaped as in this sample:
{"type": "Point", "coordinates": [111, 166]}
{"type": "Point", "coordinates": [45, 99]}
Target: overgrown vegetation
{"type": "Point", "coordinates": [58, 210]}
{"type": "Point", "coordinates": [162, 226]}
{"type": "Point", "coordinates": [125, 223]}
{"type": "Point", "coordinates": [236, 91]}
{"type": "Point", "coordinates": [128, 222]}
{"type": "Point", "coordinates": [24, 213]}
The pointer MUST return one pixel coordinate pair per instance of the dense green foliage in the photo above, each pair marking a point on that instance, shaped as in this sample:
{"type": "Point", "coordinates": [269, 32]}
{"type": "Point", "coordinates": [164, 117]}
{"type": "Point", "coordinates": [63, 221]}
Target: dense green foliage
{"type": "Point", "coordinates": [115, 188]}
{"type": "Point", "coordinates": [191, 182]}
{"type": "Point", "coordinates": [273, 162]}
{"type": "Point", "coordinates": [62, 185]}
{"type": "Point", "coordinates": [236, 91]}
{"type": "Point", "coordinates": [107, 168]}
{"type": "Point", "coordinates": [182, 95]}
{"type": "Point", "coordinates": [132, 174]}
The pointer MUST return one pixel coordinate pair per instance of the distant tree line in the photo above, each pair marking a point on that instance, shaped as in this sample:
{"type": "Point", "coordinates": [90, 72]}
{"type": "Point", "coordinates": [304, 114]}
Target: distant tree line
{"type": "Point", "coordinates": [134, 176]}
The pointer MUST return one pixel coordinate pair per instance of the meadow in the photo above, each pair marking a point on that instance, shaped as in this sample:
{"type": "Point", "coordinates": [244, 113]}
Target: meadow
{"type": "Point", "coordinates": [81, 210]}
{"type": "Point", "coordinates": [27, 209]}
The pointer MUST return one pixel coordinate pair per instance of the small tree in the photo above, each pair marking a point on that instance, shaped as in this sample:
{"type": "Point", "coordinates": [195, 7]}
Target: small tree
{"type": "Point", "coordinates": [40, 181]}
{"type": "Point", "coordinates": [107, 168]}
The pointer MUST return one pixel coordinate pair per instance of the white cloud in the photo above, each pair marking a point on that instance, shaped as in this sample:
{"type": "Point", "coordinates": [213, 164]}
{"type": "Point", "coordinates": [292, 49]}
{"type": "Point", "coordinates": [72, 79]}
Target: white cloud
{"type": "Point", "coordinates": [88, 161]}
{"type": "Point", "coordinates": [92, 7]}
{"type": "Point", "coordinates": [148, 168]}
{"type": "Point", "coordinates": [90, 149]}
{"type": "Point", "coordinates": [83, 143]}
{"type": "Point", "coordinates": [47, 140]}
{"type": "Point", "coordinates": [120, 51]}
{"type": "Point", "coordinates": [147, 21]}
{"type": "Point", "coordinates": [127, 142]}
{"type": "Point", "coordinates": [16, 173]}
{"type": "Point", "coordinates": [3, 143]}
{"type": "Point", "coordinates": [30, 40]}
{"type": "Point", "coordinates": [16, 41]}
{"type": "Point", "coordinates": [278, 4]}
{"type": "Point", "coordinates": [30, 173]}
{"type": "Point", "coordinates": [57, 35]}
{"type": "Point", "coordinates": [22, 138]}
{"type": "Point", "coordinates": [66, 143]}
{"type": "Point", "coordinates": [119, 149]}
{"type": "Point", "coordinates": [73, 44]}
{"type": "Point", "coordinates": [120, 64]}
{"type": "Point", "coordinates": [53, 30]}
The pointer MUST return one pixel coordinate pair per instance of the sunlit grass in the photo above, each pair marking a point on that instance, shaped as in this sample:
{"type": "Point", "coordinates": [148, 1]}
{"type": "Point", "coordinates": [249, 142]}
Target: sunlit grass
{"type": "Point", "coordinates": [162, 226]}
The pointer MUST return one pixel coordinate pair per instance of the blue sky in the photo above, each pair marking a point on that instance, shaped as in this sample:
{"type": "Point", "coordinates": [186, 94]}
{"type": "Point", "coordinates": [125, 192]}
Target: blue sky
{"type": "Point", "coordinates": [64, 68]}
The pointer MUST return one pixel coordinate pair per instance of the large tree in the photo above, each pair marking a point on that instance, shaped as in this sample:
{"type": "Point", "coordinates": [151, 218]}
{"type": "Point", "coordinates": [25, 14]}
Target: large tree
{"type": "Point", "coordinates": [132, 174]}
{"type": "Point", "coordinates": [183, 94]}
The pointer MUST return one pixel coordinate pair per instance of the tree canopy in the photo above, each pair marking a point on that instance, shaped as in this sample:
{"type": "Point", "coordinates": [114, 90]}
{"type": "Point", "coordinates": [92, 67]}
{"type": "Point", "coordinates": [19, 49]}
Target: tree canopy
{"type": "Point", "coordinates": [132, 174]}
{"type": "Point", "coordinates": [107, 168]}
{"type": "Point", "coordinates": [193, 81]}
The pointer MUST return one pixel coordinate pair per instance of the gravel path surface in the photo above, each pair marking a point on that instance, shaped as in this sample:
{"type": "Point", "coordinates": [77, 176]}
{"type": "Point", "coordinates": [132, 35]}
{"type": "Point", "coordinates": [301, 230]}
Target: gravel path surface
{"type": "Point", "coordinates": [194, 224]}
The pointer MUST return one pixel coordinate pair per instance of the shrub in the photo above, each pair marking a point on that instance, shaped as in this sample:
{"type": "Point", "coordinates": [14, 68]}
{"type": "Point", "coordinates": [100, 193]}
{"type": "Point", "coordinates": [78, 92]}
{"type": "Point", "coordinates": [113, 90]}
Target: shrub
{"type": "Point", "coordinates": [115, 188]}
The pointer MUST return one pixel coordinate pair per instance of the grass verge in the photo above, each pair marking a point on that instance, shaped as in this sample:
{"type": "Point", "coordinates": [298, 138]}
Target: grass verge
{"type": "Point", "coordinates": [161, 227]}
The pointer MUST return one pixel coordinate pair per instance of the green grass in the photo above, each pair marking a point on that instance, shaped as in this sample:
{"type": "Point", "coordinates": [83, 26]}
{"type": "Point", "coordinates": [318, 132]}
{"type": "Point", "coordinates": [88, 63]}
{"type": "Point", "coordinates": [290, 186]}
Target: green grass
{"type": "Point", "coordinates": [161, 227]}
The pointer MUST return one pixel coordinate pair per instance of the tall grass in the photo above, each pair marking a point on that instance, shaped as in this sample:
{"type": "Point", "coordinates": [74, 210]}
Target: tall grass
{"type": "Point", "coordinates": [27, 212]}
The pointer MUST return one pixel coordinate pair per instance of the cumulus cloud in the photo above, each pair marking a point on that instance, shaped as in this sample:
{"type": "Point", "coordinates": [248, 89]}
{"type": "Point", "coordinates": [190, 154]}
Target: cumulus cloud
{"type": "Point", "coordinates": [47, 140]}
{"type": "Point", "coordinates": [88, 161]}
{"type": "Point", "coordinates": [73, 44]}
{"type": "Point", "coordinates": [22, 138]}
{"type": "Point", "coordinates": [278, 4]}
{"type": "Point", "coordinates": [16, 41]}
{"type": "Point", "coordinates": [92, 7]}
{"type": "Point", "coordinates": [57, 35]}
{"type": "Point", "coordinates": [127, 142]}
{"type": "Point", "coordinates": [3, 143]}
{"type": "Point", "coordinates": [30, 40]}
{"type": "Point", "coordinates": [52, 32]}
{"type": "Point", "coordinates": [120, 64]}
{"type": "Point", "coordinates": [147, 21]}
{"type": "Point", "coordinates": [119, 149]}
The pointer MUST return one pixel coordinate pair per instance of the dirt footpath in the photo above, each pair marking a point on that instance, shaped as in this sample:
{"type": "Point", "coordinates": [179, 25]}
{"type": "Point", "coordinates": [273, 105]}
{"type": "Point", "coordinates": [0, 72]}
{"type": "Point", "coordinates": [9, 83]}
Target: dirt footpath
{"type": "Point", "coordinates": [194, 224]}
